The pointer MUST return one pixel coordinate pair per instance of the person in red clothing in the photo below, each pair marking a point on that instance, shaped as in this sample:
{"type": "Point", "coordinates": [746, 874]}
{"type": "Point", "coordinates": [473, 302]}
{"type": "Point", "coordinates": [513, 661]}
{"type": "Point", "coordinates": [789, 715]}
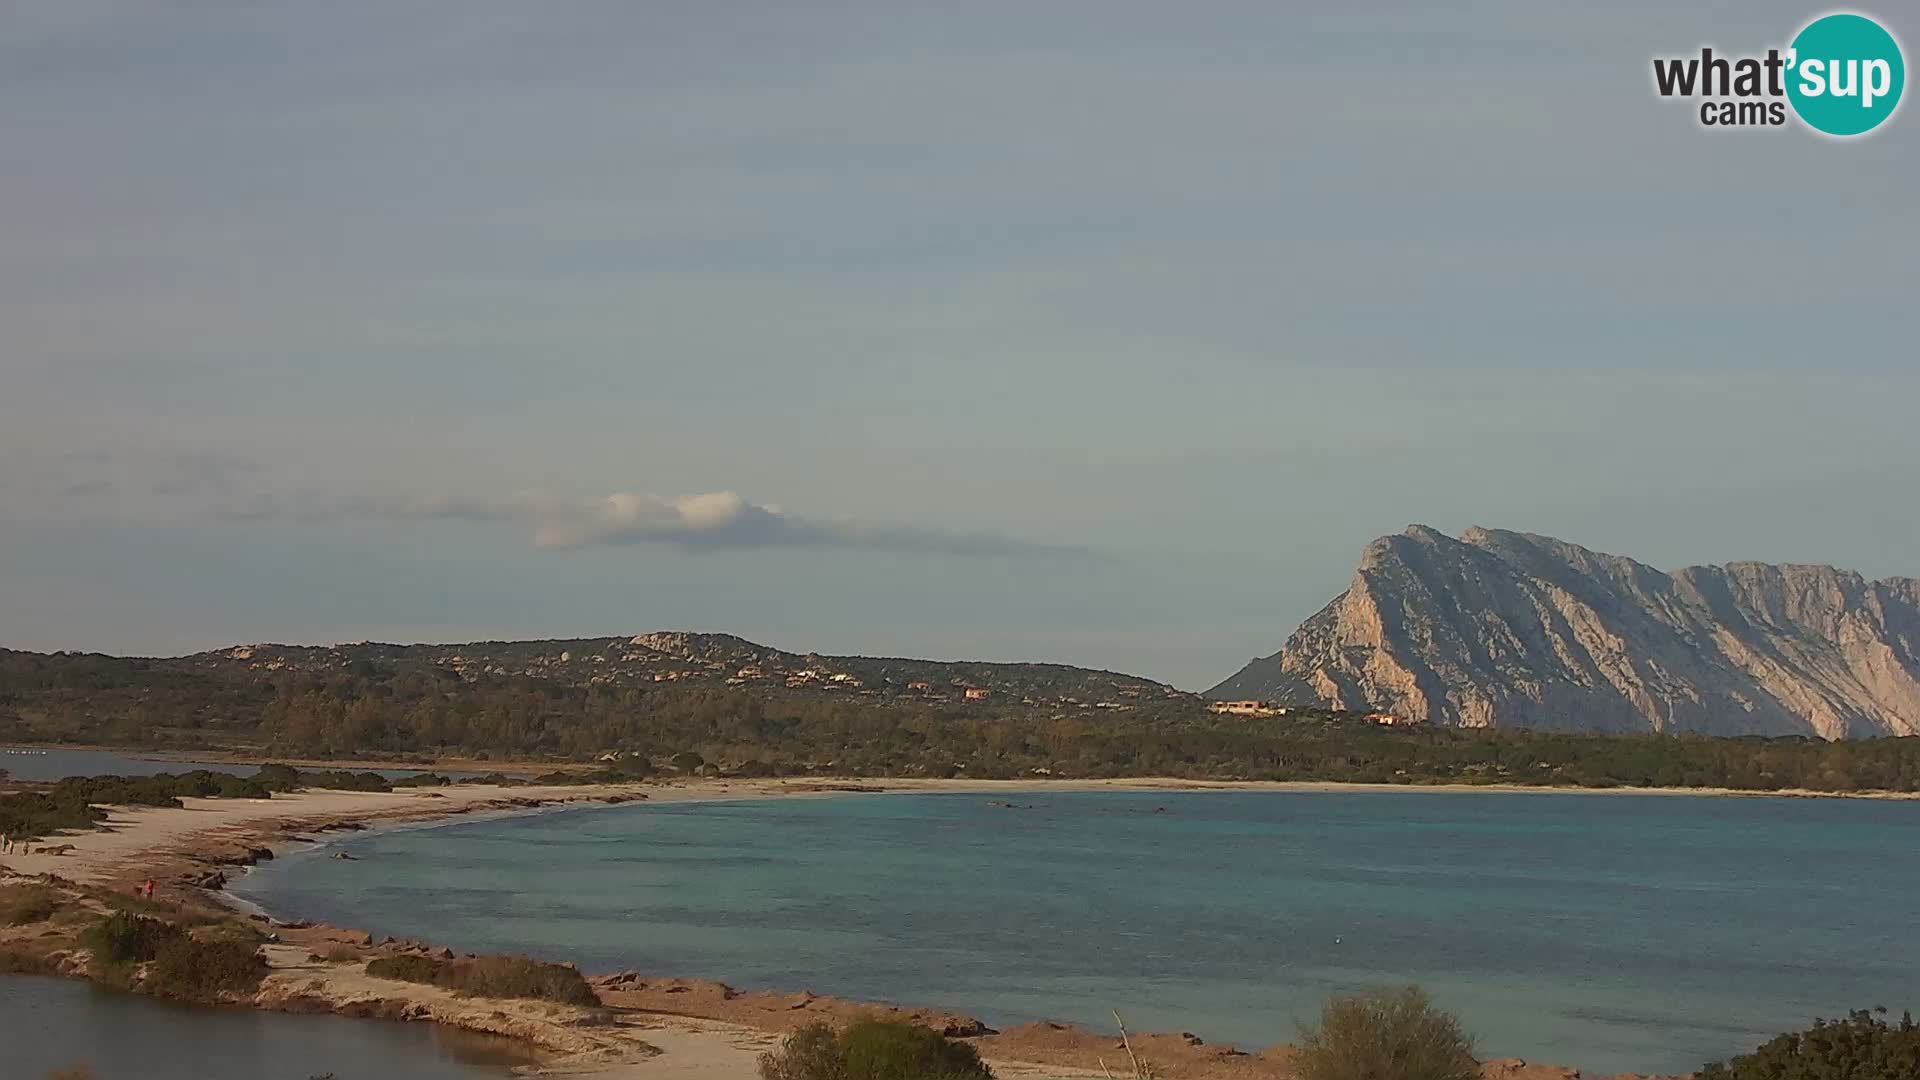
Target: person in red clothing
{"type": "Point", "coordinates": [148, 889]}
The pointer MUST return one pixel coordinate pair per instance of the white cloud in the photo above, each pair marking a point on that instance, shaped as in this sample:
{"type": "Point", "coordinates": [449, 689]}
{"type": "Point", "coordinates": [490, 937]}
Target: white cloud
{"type": "Point", "coordinates": [723, 520]}
{"type": "Point", "coordinates": [156, 484]}
{"type": "Point", "coordinates": [711, 521]}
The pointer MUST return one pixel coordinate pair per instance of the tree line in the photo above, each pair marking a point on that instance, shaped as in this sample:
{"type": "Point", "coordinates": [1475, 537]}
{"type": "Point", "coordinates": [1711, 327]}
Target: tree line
{"type": "Point", "coordinates": [370, 712]}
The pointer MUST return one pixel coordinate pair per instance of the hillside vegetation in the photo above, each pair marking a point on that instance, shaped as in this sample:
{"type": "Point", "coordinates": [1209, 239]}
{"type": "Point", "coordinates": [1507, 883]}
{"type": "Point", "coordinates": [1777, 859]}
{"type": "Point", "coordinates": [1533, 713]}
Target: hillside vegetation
{"type": "Point", "coordinates": [1033, 721]}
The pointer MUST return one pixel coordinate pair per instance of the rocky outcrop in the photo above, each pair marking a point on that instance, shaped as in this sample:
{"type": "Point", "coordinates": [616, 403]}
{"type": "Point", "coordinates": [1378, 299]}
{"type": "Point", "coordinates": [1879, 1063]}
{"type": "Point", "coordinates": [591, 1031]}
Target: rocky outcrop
{"type": "Point", "coordinates": [1511, 629]}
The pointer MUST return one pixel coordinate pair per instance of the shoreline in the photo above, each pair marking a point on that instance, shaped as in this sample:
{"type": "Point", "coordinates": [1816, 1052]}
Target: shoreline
{"type": "Point", "coordinates": [957, 784]}
{"type": "Point", "coordinates": [195, 849]}
{"type": "Point", "coordinates": [670, 1027]}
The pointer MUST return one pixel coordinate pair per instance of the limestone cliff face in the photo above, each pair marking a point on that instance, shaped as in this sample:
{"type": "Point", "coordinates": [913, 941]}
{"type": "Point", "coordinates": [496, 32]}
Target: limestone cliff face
{"type": "Point", "coordinates": [1516, 630]}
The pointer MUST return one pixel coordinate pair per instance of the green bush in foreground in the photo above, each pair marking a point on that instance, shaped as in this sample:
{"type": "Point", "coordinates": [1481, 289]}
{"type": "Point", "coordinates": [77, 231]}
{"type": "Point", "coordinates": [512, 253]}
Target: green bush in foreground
{"type": "Point", "coordinates": [872, 1050]}
{"type": "Point", "coordinates": [1861, 1047]}
{"type": "Point", "coordinates": [491, 976]}
{"type": "Point", "coordinates": [123, 939]}
{"type": "Point", "coordinates": [1386, 1035]}
{"type": "Point", "coordinates": [416, 969]}
{"type": "Point", "coordinates": [203, 970]}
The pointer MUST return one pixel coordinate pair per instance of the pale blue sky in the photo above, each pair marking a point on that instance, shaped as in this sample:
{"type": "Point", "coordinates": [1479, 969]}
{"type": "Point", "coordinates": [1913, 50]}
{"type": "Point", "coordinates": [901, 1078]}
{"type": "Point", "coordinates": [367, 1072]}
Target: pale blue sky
{"type": "Point", "coordinates": [1104, 333]}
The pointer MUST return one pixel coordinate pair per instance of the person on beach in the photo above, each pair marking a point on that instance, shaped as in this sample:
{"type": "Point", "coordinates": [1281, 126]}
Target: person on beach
{"type": "Point", "coordinates": [148, 889]}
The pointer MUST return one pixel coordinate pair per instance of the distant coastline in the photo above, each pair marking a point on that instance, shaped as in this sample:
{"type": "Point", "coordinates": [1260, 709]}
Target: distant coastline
{"type": "Point", "coordinates": [957, 784]}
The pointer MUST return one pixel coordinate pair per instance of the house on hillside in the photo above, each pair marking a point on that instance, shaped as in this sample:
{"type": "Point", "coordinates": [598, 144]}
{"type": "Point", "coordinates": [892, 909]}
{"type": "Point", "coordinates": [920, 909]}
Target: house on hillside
{"type": "Point", "coordinates": [976, 693]}
{"type": "Point", "coordinates": [1246, 708]}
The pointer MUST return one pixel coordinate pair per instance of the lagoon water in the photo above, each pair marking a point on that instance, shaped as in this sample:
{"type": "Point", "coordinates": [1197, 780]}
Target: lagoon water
{"type": "Point", "coordinates": [48, 1024]}
{"type": "Point", "coordinates": [1612, 932]}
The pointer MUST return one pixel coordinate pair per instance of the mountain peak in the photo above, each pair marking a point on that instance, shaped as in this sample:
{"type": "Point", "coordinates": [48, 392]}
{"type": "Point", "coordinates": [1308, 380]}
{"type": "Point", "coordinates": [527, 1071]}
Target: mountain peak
{"type": "Point", "coordinates": [1520, 629]}
{"type": "Point", "coordinates": [686, 643]}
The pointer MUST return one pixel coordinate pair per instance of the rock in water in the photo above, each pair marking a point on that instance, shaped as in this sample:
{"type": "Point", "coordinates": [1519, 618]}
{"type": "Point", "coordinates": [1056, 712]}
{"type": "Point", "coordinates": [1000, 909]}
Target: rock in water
{"type": "Point", "coordinates": [1515, 630]}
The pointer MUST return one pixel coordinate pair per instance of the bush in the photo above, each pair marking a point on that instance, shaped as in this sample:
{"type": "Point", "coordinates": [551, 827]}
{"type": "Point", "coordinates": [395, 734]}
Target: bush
{"type": "Point", "coordinates": [520, 977]}
{"type": "Point", "coordinates": [23, 904]}
{"type": "Point", "coordinates": [202, 970]}
{"type": "Point", "coordinates": [491, 976]}
{"type": "Point", "coordinates": [1861, 1047]}
{"type": "Point", "coordinates": [237, 932]}
{"type": "Point", "coordinates": [123, 939]}
{"type": "Point", "coordinates": [873, 1050]}
{"type": "Point", "coordinates": [277, 777]}
{"type": "Point", "coordinates": [21, 959]}
{"type": "Point", "coordinates": [633, 765]}
{"type": "Point", "coordinates": [1386, 1035]}
{"type": "Point", "coordinates": [31, 814]}
{"type": "Point", "coordinates": [415, 969]}
{"type": "Point", "coordinates": [425, 779]}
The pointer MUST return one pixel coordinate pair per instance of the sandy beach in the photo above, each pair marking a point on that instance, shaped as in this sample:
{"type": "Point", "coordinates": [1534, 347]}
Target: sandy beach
{"type": "Point", "coordinates": [662, 1027]}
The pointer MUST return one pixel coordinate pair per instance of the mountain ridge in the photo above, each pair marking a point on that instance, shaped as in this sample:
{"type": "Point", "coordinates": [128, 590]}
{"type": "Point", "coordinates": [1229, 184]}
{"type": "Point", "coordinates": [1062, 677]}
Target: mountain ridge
{"type": "Point", "coordinates": [1502, 628]}
{"type": "Point", "coordinates": [694, 658]}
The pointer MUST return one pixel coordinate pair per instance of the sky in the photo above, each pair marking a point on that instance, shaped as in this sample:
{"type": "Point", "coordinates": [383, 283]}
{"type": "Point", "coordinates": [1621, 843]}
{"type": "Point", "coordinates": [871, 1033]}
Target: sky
{"type": "Point", "coordinates": [1104, 333]}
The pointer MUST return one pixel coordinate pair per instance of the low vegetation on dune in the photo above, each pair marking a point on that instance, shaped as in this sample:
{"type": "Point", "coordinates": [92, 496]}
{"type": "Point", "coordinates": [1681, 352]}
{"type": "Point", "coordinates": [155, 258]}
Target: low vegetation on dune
{"type": "Point", "coordinates": [872, 1050]}
{"type": "Point", "coordinates": [1386, 1035]}
{"type": "Point", "coordinates": [75, 802]}
{"type": "Point", "coordinates": [190, 969]}
{"type": "Point", "coordinates": [158, 957]}
{"type": "Point", "coordinates": [24, 904]}
{"type": "Point", "coordinates": [18, 958]}
{"type": "Point", "coordinates": [491, 976]}
{"type": "Point", "coordinates": [1864, 1046]}
{"type": "Point", "coordinates": [124, 939]}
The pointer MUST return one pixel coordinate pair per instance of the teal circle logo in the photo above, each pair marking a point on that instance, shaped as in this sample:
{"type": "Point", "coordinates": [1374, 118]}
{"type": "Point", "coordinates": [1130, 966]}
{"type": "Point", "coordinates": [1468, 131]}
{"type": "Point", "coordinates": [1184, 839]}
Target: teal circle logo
{"type": "Point", "coordinates": [1845, 74]}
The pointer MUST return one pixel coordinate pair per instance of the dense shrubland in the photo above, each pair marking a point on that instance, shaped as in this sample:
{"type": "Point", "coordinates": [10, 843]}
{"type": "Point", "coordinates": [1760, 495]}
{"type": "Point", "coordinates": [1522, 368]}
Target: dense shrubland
{"type": "Point", "coordinates": [74, 803]}
{"type": "Point", "coordinates": [491, 976]}
{"type": "Point", "coordinates": [872, 1050]}
{"type": "Point", "coordinates": [1864, 1046]}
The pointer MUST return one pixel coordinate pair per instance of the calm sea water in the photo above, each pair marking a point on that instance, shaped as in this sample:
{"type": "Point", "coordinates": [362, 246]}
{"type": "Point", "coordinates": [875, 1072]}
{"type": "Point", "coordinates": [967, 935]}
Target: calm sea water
{"type": "Point", "coordinates": [1609, 931]}
{"type": "Point", "coordinates": [48, 1024]}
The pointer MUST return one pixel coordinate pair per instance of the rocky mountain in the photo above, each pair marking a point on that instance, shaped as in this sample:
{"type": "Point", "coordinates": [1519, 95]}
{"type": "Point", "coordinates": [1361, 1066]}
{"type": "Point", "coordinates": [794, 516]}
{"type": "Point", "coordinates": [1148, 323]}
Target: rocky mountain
{"type": "Point", "coordinates": [1515, 630]}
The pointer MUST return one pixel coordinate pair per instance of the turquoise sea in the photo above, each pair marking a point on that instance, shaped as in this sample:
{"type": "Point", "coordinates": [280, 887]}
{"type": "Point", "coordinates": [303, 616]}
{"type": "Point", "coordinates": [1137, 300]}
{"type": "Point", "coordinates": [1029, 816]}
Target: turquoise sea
{"type": "Point", "coordinates": [1612, 932]}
